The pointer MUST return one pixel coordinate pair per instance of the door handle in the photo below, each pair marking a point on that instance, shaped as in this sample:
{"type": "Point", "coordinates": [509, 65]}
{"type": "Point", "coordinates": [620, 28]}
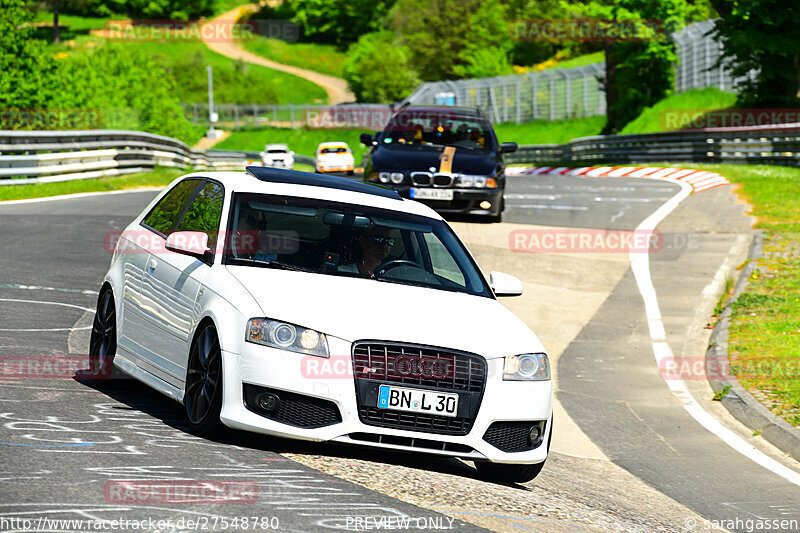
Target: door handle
{"type": "Point", "coordinates": [151, 265]}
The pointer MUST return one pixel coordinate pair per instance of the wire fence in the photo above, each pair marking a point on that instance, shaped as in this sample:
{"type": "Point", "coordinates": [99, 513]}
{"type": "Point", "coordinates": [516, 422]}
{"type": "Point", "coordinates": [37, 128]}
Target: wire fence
{"type": "Point", "coordinates": [699, 53]}
{"type": "Point", "coordinates": [555, 94]}
{"type": "Point", "coordinates": [367, 117]}
{"type": "Point", "coordinates": [559, 94]}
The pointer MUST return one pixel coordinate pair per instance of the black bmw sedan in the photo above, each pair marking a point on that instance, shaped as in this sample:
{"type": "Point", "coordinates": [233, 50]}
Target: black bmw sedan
{"type": "Point", "coordinates": [446, 157]}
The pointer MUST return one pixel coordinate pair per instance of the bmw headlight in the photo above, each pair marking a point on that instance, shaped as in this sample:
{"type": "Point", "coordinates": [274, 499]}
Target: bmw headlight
{"type": "Point", "coordinates": [384, 177]}
{"type": "Point", "coordinates": [479, 182]}
{"type": "Point", "coordinates": [396, 177]}
{"type": "Point", "coordinates": [285, 336]}
{"type": "Point", "coordinates": [527, 367]}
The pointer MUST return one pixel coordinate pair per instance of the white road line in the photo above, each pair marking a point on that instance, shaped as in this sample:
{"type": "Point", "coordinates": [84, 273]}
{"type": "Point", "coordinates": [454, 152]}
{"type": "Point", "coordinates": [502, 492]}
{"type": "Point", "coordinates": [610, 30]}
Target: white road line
{"type": "Point", "coordinates": [39, 288]}
{"type": "Point", "coordinates": [44, 303]}
{"type": "Point", "coordinates": [632, 200]}
{"type": "Point", "coordinates": [554, 207]}
{"type": "Point", "coordinates": [640, 265]}
{"type": "Point", "coordinates": [518, 196]}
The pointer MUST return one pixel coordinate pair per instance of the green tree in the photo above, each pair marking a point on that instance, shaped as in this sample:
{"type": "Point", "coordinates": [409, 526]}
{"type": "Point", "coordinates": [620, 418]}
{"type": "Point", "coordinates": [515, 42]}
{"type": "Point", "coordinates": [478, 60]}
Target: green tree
{"type": "Point", "coordinates": [453, 38]}
{"type": "Point", "coordinates": [521, 14]}
{"type": "Point", "coordinates": [24, 67]}
{"type": "Point", "coordinates": [340, 22]}
{"type": "Point", "coordinates": [638, 67]}
{"type": "Point", "coordinates": [762, 36]}
{"type": "Point", "coordinates": [377, 70]}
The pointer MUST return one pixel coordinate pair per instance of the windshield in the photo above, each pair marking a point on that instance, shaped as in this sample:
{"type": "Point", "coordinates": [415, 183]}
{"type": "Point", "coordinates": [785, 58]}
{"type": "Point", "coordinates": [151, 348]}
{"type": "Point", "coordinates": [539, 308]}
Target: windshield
{"type": "Point", "coordinates": [276, 151]}
{"type": "Point", "coordinates": [337, 239]}
{"type": "Point", "coordinates": [335, 150]}
{"type": "Point", "coordinates": [417, 128]}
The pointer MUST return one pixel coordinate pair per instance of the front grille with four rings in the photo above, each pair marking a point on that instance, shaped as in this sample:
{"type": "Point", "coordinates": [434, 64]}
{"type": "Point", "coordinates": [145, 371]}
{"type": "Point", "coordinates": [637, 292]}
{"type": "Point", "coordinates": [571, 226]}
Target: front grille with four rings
{"type": "Point", "coordinates": [377, 363]}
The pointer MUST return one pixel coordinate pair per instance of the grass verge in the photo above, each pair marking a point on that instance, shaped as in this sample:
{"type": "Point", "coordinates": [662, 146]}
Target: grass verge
{"type": "Point", "coordinates": [324, 58]}
{"type": "Point", "coordinates": [159, 177]}
{"type": "Point", "coordinates": [658, 118]}
{"type": "Point", "coordinates": [302, 141]}
{"type": "Point", "coordinates": [185, 61]}
{"type": "Point", "coordinates": [547, 132]}
{"type": "Point", "coordinates": [764, 340]}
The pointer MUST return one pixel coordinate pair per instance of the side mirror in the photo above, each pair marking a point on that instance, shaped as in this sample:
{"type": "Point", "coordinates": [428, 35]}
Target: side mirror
{"type": "Point", "coordinates": [507, 148]}
{"type": "Point", "coordinates": [505, 284]}
{"type": "Point", "coordinates": [367, 139]}
{"type": "Point", "coordinates": [194, 243]}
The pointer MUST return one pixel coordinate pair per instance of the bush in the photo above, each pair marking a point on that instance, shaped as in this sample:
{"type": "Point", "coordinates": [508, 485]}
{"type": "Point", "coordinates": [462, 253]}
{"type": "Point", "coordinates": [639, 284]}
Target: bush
{"type": "Point", "coordinates": [26, 69]}
{"type": "Point", "coordinates": [153, 9]}
{"type": "Point", "coordinates": [130, 90]}
{"type": "Point", "coordinates": [377, 69]}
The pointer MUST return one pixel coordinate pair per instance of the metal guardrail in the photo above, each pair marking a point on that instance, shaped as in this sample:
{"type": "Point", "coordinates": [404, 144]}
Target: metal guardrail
{"type": "Point", "coordinates": [47, 156]}
{"type": "Point", "coordinates": [767, 145]}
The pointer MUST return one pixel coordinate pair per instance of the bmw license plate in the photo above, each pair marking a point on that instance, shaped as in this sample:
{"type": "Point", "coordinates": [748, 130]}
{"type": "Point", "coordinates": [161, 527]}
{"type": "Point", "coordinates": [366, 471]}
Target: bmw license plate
{"type": "Point", "coordinates": [432, 194]}
{"type": "Point", "coordinates": [418, 401]}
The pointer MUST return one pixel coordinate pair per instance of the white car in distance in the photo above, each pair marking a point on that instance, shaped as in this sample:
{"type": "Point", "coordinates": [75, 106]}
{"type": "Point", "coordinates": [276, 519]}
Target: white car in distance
{"type": "Point", "coordinates": [278, 156]}
{"type": "Point", "coordinates": [325, 309]}
{"type": "Point", "coordinates": [334, 157]}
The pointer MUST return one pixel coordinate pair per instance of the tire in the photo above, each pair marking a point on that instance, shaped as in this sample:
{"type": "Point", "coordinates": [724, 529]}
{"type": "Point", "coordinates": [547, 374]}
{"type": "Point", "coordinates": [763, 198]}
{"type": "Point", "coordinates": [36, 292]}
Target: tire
{"type": "Point", "coordinates": [103, 341]}
{"type": "Point", "coordinates": [506, 473]}
{"type": "Point", "coordinates": [499, 216]}
{"type": "Point", "coordinates": [203, 392]}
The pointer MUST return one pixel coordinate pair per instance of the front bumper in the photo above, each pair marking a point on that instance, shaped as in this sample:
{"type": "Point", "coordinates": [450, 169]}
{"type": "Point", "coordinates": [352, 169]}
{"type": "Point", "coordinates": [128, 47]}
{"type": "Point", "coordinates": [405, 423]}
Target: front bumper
{"type": "Point", "coordinates": [465, 201]}
{"type": "Point", "coordinates": [290, 372]}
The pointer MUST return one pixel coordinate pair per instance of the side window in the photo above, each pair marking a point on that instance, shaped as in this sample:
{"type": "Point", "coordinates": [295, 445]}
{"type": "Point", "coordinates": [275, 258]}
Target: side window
{"type": "Point", "coordinates": [163, 216]}
{"type": "Point", "coordinates": [204, 212]}
{"type": "Point", "coordinates": [442, 262]}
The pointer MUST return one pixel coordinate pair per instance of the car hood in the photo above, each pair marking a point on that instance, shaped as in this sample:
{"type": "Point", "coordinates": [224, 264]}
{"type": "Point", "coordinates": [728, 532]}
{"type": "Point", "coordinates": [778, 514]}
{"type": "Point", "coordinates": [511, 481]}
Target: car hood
{"type": "Point", "coordinates": [415, 158]}
{"type": "Point", "coordinates": [359, 309]}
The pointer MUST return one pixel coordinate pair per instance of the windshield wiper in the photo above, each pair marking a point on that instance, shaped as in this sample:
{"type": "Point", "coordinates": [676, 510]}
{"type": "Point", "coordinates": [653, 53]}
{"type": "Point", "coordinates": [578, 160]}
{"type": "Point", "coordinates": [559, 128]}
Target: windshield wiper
{"type": "Point", "coordinates": [422, 285]}
{"type": "Point", "coordinates": [274, 264]}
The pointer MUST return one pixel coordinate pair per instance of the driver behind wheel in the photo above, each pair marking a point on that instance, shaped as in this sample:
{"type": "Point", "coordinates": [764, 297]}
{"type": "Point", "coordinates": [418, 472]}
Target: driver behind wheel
{"type": "Point", "coordinates": [375, 244]}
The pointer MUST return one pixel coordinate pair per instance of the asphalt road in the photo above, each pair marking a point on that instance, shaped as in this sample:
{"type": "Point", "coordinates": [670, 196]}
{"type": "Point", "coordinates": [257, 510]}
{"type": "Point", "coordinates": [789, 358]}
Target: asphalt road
{"type": "Point", "coordinates": [66, 443]}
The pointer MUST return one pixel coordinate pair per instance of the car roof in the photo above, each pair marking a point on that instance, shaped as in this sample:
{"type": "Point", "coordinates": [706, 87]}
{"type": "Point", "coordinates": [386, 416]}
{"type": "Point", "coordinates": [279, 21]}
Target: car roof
{"type": "Point", "coordinates": [308, 185]}
{"type": "Point", "coordinates": [276, 145]}
{"type": "Point", "coordinates": [334, 144]}
{"type": "Point", "coordinates": [455, 110]}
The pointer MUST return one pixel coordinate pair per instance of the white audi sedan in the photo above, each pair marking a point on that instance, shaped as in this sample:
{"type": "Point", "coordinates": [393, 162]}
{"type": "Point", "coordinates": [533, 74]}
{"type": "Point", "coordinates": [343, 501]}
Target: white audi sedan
{"type": "Point", "coordinates": [321, 308]}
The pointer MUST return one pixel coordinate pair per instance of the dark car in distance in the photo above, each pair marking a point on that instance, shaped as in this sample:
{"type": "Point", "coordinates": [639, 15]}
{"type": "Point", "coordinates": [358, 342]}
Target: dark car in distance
{"type": "Point", "coordinates": [443, 156]}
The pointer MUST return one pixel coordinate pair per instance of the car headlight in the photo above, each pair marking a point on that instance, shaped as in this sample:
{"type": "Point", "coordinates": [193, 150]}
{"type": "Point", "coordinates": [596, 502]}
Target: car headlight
{"type": "Point", "coordinates": [396, 177]}
{"type": "Point", "coordinates": [527, 367]}
{"type": "Point", "coordinates": [285, 336]}
{"type": "Point", "coordinates": [480, 182]}
{"type": "Point", "coordinates": [384, 177]}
